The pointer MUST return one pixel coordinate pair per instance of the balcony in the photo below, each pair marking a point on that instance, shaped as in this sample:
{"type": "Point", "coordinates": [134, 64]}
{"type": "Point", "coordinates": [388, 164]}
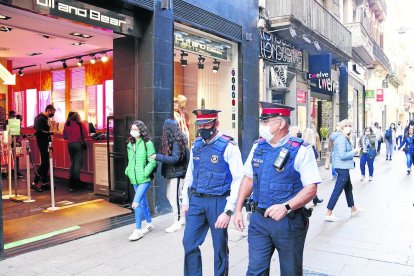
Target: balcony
{"type": "Point", "coordinates": [361, 42]}
{"type": "Point", "coordinates": [369, 27]}
{"type": "Point", "coordinates": [310, 18]}
{"type": "Point", "coordinates": [381, 57]}
{"type": "Point", "coordinates": [379, 7]}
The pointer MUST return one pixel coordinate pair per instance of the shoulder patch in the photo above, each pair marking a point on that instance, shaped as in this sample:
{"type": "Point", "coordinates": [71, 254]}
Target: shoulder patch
{"type": "Point", "coordinates": [295, 142]}
{"type": "Point", "coordinates": [259, 141]}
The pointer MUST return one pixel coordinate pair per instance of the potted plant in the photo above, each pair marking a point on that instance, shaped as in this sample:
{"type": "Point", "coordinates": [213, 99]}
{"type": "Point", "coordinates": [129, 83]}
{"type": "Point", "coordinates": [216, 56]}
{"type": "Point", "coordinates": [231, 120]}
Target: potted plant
{"type": "Point", "coordinates": [324, 133]}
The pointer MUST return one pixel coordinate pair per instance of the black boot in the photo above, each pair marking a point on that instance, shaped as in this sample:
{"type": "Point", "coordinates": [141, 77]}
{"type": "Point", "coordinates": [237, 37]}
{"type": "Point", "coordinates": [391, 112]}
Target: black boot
{"type": "Point", "coordinates": [71, 184]}
{"type": "Point", "coordinates": [316, 200]}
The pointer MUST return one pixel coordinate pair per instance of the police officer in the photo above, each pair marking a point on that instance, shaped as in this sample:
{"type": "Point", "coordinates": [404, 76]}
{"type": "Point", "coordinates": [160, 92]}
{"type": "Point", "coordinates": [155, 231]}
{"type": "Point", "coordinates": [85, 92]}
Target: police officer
{"type": "Point", "coordinates": [282, 173]}
{"type": "Point", "coordinates": [209, 194]}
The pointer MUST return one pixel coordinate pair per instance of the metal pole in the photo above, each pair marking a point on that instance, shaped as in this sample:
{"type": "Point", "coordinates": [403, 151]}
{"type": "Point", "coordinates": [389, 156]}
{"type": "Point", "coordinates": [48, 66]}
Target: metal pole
{"type": "Point", "coordinates": [16, 197]}
{"type": "Point", "coordinates": [52, 182]}
{"type": "Point", "coordinates": [8, 170]}
{"type": "Point", "coordinates": [29, 199]}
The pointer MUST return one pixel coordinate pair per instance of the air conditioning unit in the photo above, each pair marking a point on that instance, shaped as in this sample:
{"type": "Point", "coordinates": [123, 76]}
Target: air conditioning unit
{"type": "Point", "coordinates": [262, 4]}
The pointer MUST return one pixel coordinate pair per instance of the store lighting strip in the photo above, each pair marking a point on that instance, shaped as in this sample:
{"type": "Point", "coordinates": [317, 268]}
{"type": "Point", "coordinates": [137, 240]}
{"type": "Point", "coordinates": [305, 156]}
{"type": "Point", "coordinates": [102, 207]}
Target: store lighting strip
{"type": "Point", "coordinates": [94, 58]}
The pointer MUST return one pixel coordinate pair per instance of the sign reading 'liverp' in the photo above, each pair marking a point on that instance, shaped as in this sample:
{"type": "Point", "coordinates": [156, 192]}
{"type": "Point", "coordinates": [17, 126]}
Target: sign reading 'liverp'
{"type": "Point", "coordinates": [277, 50]}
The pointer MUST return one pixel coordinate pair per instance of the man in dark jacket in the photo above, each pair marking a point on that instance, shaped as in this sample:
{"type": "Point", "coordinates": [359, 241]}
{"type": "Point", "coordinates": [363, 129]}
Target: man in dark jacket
{"type": "Point", "coordinates": [43, 137]}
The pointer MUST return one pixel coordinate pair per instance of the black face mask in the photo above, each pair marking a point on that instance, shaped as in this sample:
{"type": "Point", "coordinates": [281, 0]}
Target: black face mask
{"type": "Point", "coordinates": [51, 115]}
{"type": "Point", "coordinates": [299, 135]}
{"type": "Point", "coordinates": [206, 133]}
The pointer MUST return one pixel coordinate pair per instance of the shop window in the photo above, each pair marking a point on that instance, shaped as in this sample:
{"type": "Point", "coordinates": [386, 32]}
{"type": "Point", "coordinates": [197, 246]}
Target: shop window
{"type": "Point", "coordinates": [31, 110]}
{"type": "Point", "coordinates": [100, 103]}
{"type": "Point", "coordinates": [91, 93]}
{"type": "Point", "coordinates": [58, 95]}
{"type": "Point", "coordinates": [44, 100]}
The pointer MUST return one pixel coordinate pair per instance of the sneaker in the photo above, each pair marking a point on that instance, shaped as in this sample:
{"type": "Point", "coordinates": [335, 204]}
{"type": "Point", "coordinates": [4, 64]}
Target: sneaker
{"type": "Point", "coordinates": [370, 178]}
{"type": "Point", "coordinates": [148, 228]}
{"type": "Point", "coordinates": [332, 218]}
{"type": "Point", "coordinates": [174, 227]}
{"type": "Point", "coordinates": [354, 213]}
{"type": "Point", "coordinates": [136, 235]}
{"type": "Point", "coordinates": [408, 172]}
{"type": "Point", "coordinates": [363, 178]}
{"type": "Point", "coordinates": [182, 221]}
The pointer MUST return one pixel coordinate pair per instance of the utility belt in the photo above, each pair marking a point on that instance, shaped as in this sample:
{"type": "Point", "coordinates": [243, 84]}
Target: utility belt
{"type": "Point", "coordinates": [193, 192]}
{"type": "Point", "coordinates": [307, 212]}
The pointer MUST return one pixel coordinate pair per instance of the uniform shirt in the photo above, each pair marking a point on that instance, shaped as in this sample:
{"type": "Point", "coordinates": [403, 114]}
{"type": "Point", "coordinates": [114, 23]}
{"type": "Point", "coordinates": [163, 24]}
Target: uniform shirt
{"type": "Point", "coordinates": [305, 163]}
{"type": "Point", "coordinates": [232, 156]}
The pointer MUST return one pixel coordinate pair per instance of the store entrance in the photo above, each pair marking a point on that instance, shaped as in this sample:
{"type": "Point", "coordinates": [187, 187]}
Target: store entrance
{"type": "Point", "coordinates": [69, 65]}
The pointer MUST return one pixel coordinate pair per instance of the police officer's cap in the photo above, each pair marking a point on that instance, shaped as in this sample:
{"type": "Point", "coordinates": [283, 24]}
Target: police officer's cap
{"type": "Point", "coordinates": [205, 116]}
{"type": "Point", "coordinates": [270, 110]}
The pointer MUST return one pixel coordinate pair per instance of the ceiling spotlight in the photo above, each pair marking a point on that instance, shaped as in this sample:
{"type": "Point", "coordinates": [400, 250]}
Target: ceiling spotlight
{"type": "Point", "coordinates": [93, 59]}
{"type": "Point", "coordinates": [86, 36]}
{"type": "Point", "coordinates": [5, 29]}
{"type": "Point", "coordinates": [80, 62]}
{"type": "Point", "coordinates": [292, 32]}
{"type": "Point", "coordinates": [65, 65]}
{"type": "Point", "coordinates": [104, 58]}
{"type": "Point", "coordinates": [20, 72]}
{"type": "Point", "coordinates": [182, 60]}
{"type": "Point", "coordinates": [201, 62]}
{"type": "Point", "coordinates": [306, 39]}
{"type": "Point", "coordinates": [4, 17]}
{"type": "Point", "coordinates": [216, 66]}
{"type": "Point", "coordinates": [316, 44]}
{"type": "Point", "coordinates": [78, 43]}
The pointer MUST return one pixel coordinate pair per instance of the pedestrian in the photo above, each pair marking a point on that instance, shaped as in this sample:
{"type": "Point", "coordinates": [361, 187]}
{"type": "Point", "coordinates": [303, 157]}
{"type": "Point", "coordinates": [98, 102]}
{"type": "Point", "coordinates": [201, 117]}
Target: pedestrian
{"type": "Point", "coordinates": [210, 191]}
{"type": "Point", "coordinates": [389, 137]}
{"type": "Point", "coordinates": [282, 173]}
{"type": "Point", "coordinates": [399, 132]}
{"type": "Point", "coordinates": [380, 139]}
{"type": "Point", "coordinates": [408, 141]}
{"type": "Point", "coordinates": [174, 157]}
{"type": "Point", "coordinates": [74, 132]}
{"type": "Point", "coordinates": [139, 170]}
{"type": "Point", "coordinates": [409, 124]}
{"type": "Point", "coordinates": [343, 162]}
{"type": "Point", "coordinates": [368, 145]}
{"type": "Point", "coordinates": [43, 137]}
{"type": "Point", "coordinates": [331, 149]}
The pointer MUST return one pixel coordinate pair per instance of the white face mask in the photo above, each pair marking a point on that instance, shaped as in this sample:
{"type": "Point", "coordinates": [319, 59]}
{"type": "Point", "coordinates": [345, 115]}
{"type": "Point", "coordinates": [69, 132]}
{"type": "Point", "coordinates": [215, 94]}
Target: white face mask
{"type": "Point", "coordinates": [367, 133]}
{"type": "Point", "coordinates": [134, 133]}
{"type": "Point", "coordinates": [347, 130]}
{"type": "Point", "coordinates": [264, 132]}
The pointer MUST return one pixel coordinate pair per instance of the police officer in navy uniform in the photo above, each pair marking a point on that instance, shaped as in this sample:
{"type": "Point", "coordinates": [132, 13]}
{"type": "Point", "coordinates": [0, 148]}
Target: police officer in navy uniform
{"type": "Point", "coordinates": [282, 174]}
{"type": "Point", "coordinates": [210, 192]}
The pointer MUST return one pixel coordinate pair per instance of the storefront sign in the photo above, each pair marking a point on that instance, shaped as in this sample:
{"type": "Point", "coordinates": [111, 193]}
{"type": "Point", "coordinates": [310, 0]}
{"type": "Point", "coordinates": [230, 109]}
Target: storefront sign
{"type": "Point", "coordinates": [380, 95]}
{"type": "Point", "coordinates": [233, 97]}
{"type": "Point", "coordinates": [277, 50]}
{"type": "Point", "coordinates": [301, 96]}
{"type": "Point", "coordinates": [199, 45]}
{"type": "Point", "coordinates": [278, 76]}
{"type": "Point", "coordinates": [325, 86]}
{"type": "Point", "coordinates": [369, 94]}
{"type": "Point", "coordinates": [81, 12]}
{"type": "Point", "coordinates": [320, 66]}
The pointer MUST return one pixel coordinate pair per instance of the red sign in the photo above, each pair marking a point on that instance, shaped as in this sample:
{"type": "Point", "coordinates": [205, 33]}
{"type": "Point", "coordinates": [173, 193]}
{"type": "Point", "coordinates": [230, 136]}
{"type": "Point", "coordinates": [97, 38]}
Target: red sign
{"type": "Point", "coordinates": [301, 96]}
{"type": "Point", "coordinates": [380, 95]}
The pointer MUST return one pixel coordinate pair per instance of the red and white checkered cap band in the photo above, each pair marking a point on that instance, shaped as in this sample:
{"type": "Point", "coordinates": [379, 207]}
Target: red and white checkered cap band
{"type": "Point", "coordinates": [278, 111]}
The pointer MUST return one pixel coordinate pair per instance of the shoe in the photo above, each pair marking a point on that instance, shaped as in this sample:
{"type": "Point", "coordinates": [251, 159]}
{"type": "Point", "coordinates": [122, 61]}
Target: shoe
{"type": "Point", "coordinates": [136, 235]}
{"type": "Point", "coordinates": [36, 187]}
{"type": "Point", "coordinates": [363, 178]}
{"type": "Point", "coordinates": [408, 172]}
{"type": "Point", "coordinates": [148, 228]}
{"type": "Point", "coordinates": [317, 200]}
{"type": "Point", "coordinates": [19, 175]}
{"type": "Point", "coordinates": [332, 218]}
{"type": "Point", "coordinates": [354, 213]}
{"type": "Point", "coordinates": [174, 227]}
{"type": "Point", "coordinates": [370, 178]}
{"type": "Point", "coordinates": [182, 221]}
{"type": "Point", "coordinates": [386, 159]}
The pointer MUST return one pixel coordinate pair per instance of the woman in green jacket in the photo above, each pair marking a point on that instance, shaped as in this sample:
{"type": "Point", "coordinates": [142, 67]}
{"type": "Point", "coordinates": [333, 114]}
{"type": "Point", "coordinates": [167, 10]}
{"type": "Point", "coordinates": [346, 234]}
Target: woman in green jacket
{"type": "Point", "coordinates": [139, 169]}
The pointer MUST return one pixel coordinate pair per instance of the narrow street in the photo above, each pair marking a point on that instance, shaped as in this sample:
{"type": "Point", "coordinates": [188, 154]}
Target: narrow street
{"type": "Point", "coordinates": [379, 241]}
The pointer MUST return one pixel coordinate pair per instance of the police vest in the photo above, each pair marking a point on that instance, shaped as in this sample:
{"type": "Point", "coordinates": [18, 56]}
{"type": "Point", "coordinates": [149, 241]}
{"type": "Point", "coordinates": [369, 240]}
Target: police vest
{"type": "Point", "coordinates": [270, 185]}
{"type": "Point", "coordinates": [211, 173]}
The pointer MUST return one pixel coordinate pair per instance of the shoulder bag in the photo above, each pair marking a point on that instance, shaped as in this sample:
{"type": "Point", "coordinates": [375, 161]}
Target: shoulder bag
{"type": "Point", "coordinates": [82, 137]}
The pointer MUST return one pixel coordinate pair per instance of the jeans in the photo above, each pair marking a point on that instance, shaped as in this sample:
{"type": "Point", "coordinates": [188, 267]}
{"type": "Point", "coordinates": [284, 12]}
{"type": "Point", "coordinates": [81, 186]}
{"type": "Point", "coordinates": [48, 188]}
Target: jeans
{"type": "Point", "coordinates": [343, 183]}
{"type": "Point", "coordinates": [379, 146]}
{"type": "Point", "coordinates": [410, 160]}
{"type": "Point", "coordinates": [76, 156]}
{"type": "Point", "coordinates": [142, 209]}
{"type": "Point", "coordinates": [398, 140]}
{"type": "Point", "coordinates": [364, 160]}
{"type": "Point", "coordinates": [43, 169]}
{"type": "Point", "coordinates": [389, 147]}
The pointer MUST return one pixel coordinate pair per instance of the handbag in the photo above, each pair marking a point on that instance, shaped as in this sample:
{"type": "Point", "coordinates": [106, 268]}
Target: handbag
{"type": "Point", "coordinates": [84, 146]}
{"type": "Point", "coordinates": [372, 153]}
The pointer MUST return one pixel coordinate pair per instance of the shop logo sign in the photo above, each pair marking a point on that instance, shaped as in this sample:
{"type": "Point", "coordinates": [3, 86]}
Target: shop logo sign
{"type": "Point", "coordinates": [84, 13]}
{"type": "Point", "coordinates": [278, 76]}
{"type": "Point", "coordinates": [319, 75]}
{"type": "Point", "coordinates": [328, 85]}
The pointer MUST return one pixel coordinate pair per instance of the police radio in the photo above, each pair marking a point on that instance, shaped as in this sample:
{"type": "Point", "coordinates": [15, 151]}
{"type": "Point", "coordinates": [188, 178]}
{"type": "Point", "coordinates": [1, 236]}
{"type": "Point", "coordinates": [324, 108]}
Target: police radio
{"type": "Point", "coordinates": [281, 159]}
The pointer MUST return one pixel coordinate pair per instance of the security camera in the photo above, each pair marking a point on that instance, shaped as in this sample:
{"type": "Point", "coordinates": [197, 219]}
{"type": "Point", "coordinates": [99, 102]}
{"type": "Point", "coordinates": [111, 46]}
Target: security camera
{"type": "Point", "coordinates": [261, 23]}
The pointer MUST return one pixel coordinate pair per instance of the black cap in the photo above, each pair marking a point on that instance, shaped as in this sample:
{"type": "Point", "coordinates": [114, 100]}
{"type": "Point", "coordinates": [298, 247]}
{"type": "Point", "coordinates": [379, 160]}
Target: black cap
{"type": "Point", "coordinates": [270, 110]}
{"type": "Point", "coordinates": [204, 116]}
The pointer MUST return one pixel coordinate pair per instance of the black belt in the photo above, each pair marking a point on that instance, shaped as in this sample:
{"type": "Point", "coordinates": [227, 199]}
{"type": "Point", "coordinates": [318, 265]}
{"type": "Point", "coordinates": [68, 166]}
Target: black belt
{"type": "Point", "coordinates": [197, 194]}
{"type": "Point", "coordinates": [291, 214]}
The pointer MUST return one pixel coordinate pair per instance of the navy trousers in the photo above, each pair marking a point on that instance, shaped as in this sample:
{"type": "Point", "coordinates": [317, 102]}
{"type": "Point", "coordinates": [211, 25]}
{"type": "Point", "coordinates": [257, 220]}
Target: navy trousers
{"type": "Point", "coordinates": [343, 183]}
{"type": "Point", "coordinates": [201, 216]}
{"type": "Point", "coordinates": [287, 236]}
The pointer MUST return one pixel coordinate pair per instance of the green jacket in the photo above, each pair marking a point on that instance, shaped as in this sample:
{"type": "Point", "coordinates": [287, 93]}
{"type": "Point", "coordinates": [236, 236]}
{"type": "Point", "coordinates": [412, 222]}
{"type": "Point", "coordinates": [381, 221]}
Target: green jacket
{"type": "Point", "coordinates": [140, 163]}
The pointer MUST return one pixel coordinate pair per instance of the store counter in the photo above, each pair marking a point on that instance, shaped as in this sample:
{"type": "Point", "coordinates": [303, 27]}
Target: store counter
{"type": "Point", "coordinates": [61, 159]}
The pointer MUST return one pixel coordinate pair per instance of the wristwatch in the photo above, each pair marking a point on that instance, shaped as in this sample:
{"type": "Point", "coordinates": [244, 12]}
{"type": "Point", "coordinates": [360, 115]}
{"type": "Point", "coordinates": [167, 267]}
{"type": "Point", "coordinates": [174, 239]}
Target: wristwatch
{"type": "Point", "coordinates": [288, 209]}
{"type": "Point", "coordinates": [229, 212]}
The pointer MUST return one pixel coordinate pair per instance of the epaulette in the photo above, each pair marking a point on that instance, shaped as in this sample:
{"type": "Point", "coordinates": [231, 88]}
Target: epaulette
{"type": "Point", "coordinates": [229, 138]}
{"type": "Point", "coordinates": [295, 142]}
{"type": "Point", "coordinates": [259, 141]}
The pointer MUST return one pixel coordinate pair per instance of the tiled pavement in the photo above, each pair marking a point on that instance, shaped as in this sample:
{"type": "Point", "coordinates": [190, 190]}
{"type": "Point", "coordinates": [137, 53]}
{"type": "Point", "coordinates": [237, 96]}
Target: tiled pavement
{"type": "Point", "coordinates": [379, 241]}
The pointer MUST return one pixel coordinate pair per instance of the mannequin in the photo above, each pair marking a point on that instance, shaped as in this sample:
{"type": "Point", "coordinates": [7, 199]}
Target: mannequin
{"type": "Point", "coordinates": [180, 119]}
{"type": "Point", "coordinates": [182, 101]}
